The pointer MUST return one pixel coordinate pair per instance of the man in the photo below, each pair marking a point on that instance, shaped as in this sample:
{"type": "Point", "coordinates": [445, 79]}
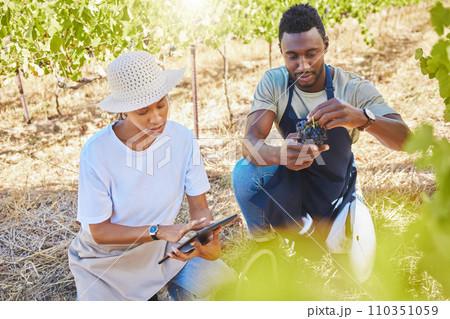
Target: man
{"type": "Point", "coordinates": [304, 188]}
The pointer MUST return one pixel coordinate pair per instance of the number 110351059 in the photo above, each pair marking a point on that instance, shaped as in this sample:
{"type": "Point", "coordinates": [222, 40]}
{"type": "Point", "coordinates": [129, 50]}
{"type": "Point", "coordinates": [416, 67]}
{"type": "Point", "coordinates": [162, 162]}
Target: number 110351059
{"type": "Point", "coordinates": [411, 310]}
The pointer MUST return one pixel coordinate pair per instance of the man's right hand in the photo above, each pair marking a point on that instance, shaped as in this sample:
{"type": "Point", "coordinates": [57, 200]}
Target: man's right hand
{"type": "Point", "coordinates": [296, 156]}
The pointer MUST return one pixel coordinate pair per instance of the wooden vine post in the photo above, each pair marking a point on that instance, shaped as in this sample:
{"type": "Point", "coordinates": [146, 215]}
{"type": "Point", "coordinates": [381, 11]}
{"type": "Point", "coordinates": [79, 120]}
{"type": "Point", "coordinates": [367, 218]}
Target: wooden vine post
{"type": "Point", "coordinates": [225, 79]}
{"type": "Point", "coordinates": [22, 97]}
{"type": "Point", "coordinates": [270, 54]}
{"type": "Point", "coordinates": [194, 90]}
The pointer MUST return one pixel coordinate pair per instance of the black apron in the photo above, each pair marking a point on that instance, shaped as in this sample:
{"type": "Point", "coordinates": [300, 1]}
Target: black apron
{"type": "Point", "coordinates": [319, 190]}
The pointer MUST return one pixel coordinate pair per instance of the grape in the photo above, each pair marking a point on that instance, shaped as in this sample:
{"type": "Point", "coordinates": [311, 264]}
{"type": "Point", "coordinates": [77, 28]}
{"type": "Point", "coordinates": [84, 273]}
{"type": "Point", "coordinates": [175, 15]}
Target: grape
{"type": "Point", "coordinates": [311, 132]}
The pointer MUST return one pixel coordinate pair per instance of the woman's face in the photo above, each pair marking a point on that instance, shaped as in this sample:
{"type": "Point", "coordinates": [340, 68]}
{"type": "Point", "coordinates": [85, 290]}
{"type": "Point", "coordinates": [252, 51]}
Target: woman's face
{"type": "Point", "coordinates": [151, 119]}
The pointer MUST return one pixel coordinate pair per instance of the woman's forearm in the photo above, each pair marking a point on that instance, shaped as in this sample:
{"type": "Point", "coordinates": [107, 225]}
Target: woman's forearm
{"type": "Point", "coordinates": [110, 233]}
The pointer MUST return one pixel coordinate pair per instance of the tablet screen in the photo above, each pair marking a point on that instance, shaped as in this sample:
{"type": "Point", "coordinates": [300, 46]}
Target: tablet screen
{"type": "Point", "coordinates": [202, 236]}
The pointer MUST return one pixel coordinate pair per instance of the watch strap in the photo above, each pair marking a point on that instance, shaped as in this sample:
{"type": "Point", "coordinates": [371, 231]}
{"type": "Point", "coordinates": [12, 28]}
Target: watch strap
{"type": "Point", "coordinates": [367, 124]}
{"type": "Point", "coordinates": [153, 234]}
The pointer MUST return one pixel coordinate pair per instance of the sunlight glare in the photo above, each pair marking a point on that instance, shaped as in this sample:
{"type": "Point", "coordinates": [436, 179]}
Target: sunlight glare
{"type": "Point", "coordinates": [195, 5]}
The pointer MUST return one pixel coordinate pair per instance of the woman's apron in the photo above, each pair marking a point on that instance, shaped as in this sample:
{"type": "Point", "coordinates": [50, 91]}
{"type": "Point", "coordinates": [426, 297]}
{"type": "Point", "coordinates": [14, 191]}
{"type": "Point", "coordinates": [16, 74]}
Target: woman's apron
{"type": "Point", "coordinates": [120, 272]}
{"type": "Point", "coordinates": [322, 189]}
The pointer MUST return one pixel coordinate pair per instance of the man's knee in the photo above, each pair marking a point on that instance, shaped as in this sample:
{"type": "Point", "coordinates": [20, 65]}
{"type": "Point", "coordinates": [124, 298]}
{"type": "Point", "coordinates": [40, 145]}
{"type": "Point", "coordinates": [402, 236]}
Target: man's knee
{"type": "Point", "coordinates": [247, 178]}
{"type": "Point", "coordinates": [241, 179]}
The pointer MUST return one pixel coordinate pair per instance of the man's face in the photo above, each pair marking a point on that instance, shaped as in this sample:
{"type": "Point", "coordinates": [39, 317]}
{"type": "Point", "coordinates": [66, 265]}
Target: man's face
{"type": "Point", "coordinates": [303, 55]}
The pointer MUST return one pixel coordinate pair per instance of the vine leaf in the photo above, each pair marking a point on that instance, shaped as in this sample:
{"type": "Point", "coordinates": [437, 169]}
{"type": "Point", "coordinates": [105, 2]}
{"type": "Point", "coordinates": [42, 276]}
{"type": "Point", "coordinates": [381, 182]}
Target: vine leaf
{"type": "Point", "coordinates": [440, 18]}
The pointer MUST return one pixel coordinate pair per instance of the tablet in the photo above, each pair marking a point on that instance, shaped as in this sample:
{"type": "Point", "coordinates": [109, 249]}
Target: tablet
{"type": "Point", "coordinates": [202, 236]}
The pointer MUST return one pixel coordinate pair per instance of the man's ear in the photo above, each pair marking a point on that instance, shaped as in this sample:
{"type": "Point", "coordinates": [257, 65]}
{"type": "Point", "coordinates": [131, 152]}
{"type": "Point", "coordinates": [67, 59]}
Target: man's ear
{"type": "Point", "coordinates": [326, 43]}
{"type": "Point", "coordinates": [279, 46]}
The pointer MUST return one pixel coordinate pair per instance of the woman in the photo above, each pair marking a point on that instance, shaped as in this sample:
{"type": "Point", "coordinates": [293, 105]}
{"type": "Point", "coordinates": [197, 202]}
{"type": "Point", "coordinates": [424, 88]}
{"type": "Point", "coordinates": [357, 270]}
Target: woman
{"type": "Point", "coordinates": [133, 176]}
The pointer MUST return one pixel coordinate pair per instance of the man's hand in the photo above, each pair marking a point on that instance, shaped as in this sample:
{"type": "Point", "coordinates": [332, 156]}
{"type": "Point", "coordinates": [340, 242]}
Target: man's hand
{"type": "Point", "coordinates": [174, 233]}
{"type": "Point", "coordinates": [335, 112]}
{"type": "Point", "coordinates": [208, 251]}
{"type": "Point", "coordinates": [297, 156]}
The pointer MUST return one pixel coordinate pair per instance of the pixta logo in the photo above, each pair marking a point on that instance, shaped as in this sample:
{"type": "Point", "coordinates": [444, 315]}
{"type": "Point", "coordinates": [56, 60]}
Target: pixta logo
{"type": "Point", "coordinates": [156, 156]}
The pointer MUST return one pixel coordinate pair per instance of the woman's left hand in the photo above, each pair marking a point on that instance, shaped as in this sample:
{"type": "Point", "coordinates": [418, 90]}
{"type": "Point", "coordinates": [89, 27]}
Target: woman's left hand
{"type": "Point", "coordinates": [208, 251]}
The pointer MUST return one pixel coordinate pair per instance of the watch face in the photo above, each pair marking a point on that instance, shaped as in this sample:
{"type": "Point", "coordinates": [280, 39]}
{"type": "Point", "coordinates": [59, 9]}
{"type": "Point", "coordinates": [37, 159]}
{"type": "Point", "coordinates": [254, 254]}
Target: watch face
{"type": "Point", "coordinates": [153, 229]}
{"type": "Point", "coordinates": [369, 114]}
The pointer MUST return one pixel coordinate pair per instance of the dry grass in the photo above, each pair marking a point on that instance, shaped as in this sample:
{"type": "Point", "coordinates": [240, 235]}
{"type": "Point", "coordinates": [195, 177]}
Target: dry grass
{"type": "Point", "coordinates": [39, 162]}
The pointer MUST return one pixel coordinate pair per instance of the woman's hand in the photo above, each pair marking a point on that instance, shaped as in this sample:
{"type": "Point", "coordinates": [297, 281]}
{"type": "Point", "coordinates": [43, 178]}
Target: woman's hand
{"type": "Point", "coordinates": [174, 233]}
{"type": "Point", "coordinates": [208, 251]}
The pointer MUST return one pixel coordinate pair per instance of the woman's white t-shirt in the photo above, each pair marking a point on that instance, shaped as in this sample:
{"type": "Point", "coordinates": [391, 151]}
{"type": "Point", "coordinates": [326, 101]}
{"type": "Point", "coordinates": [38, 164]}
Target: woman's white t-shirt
{"type": "Point", "coordinates": [138, 188]}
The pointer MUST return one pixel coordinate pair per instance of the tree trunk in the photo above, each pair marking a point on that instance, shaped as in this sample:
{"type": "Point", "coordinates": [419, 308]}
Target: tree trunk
{"type": "Point", "coordinates": [22, 97]}
{"type": "Point", "coordinates": [270, 54]}
{"type": "Point", "coordinates": [194, 91]}
{"type": "Point", "coordinates": [225, 80]}
{"type": "Point", "coordinates": [57, 99]}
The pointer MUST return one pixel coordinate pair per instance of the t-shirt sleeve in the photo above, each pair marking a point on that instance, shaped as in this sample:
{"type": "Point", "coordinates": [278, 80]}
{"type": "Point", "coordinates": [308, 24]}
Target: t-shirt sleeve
{"type": "Point", "coordinates": [94, 200]}
{"type": "Point", "coordinates": [367, 96]}
{"type": "Point", "coordinates": [196, 181]}
{"type": "Point", "coordinates": [264, 97]}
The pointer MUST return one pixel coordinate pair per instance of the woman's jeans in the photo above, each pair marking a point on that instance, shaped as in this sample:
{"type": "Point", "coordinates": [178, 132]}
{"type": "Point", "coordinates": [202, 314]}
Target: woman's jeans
{"type": "Point", "coordinates": [199, 278]}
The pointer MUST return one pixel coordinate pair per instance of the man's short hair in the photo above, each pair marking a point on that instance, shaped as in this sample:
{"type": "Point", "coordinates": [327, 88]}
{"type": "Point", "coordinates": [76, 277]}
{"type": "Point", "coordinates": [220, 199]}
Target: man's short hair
{"type": "Point", "coordinates": [300, 18]}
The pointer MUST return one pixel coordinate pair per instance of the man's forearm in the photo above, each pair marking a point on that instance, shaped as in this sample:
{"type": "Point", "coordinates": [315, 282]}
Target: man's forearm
{"type": "Point", "coordinates": [259, 153]}
{"type": "Point", "coordinates": [390, 132]}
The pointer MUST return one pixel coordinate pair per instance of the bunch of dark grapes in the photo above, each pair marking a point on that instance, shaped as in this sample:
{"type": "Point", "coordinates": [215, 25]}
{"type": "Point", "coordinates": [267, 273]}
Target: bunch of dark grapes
{"type": "Point", "coordinates": [310, 132]}
{"type": "Point", "coordinates": [90, 52]}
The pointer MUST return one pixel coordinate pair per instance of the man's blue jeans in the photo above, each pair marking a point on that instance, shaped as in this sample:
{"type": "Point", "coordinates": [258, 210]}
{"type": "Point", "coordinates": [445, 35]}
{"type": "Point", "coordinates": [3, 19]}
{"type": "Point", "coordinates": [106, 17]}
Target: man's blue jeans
{"type": "Point", "coordinates": [359, 247]}
{"type": "Point", "coordinates": [247, 180]}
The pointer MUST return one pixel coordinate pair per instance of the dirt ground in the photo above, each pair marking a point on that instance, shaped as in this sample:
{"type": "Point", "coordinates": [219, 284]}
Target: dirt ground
{"type": "Point", "coordinates": [39, 161]}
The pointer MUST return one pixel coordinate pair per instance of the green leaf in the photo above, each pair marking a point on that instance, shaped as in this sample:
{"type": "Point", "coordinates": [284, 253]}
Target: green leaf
{"type": "Point", "coordinates": [55, 43]}
{"type": "Point", "coordinates": [421, 140]}
{"type": "Point", "coordinates": [440, 17]}
{"type": "Point", "coordinates": [419, 53]}
{"type": "Point", "coordinates": [39, 28]}
{"type": "Point", "coordinates": [6, 19]}
{"type": "Point", "coordinates": [444, 82]}
{"type": "Point", "coordinates": [125, 14]}
{"type": "Point", "coordinates": [447, 109]}
{"type": "Point", "coordinates": [75, 76]}
{"type": "Point", "coordinates": [78, 30]}
{"type": "Point", "coordinates": [439, 52]}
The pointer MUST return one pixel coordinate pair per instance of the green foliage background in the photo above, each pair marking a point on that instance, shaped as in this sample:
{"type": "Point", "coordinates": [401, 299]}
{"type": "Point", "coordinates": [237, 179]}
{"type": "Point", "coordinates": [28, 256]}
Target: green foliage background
{"type": "Point", "coordinates": [434, 227]}
{"type": "Point", "coordinates": [60, 36]}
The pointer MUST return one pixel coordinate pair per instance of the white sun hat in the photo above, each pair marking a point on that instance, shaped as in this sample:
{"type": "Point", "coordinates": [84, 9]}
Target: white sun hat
{"type": "Point", "coordinates": [136, 81]}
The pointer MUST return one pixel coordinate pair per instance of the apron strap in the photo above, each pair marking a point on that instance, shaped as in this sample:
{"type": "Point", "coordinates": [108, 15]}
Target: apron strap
{"type": "Point", "coordinates": [291, 85]}
{"type": "Point", "coordinates": [329, 83]}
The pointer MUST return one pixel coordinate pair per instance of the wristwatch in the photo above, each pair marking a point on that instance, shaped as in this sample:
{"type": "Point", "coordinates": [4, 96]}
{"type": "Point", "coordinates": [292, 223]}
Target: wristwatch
{"type": "Point", "coordinates": [152, 231]}
{"type": "Point", "coordinates": [370, 119]}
